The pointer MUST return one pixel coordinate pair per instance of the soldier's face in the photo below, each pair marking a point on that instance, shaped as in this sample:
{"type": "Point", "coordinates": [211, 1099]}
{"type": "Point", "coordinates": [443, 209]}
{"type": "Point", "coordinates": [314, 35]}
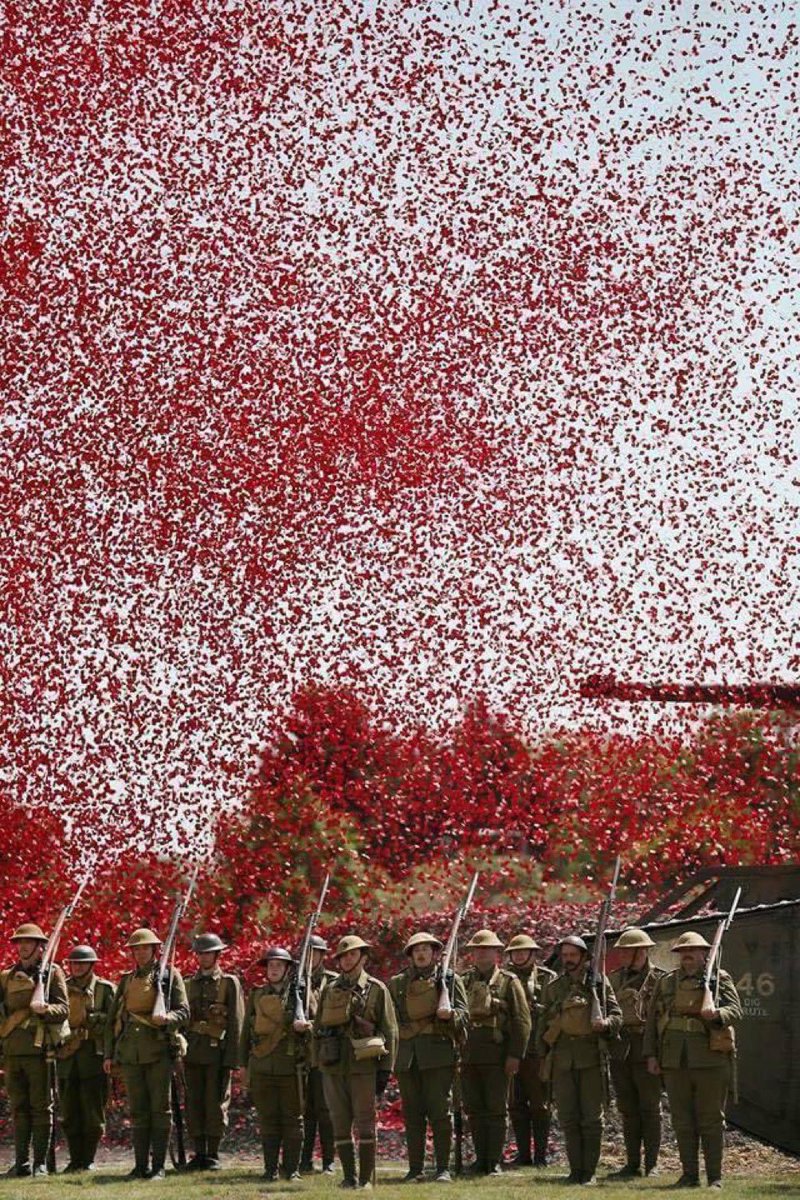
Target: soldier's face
{"type": "Point", "coordinates": [143, 955]}
{"type": "Point", "coordinates": [422, 956]}
{"type": "Point", "coordinates": [693, 960]}
{"type": "Point", "coordinates": [484, 957]}
{"type": "Point", "coordinates": [79, 969]}
{"type": "Point", "coordinates": [317, 958]}
{"type": "Point", "coordinates": [349, 961]}
{"type": "Point", "coordinates": [633, 959]}
{"type": "Point", "coordinates": [276, 970]}
{"type": "Point", "coordinates": [206, 960]}
{"type": "Point", "coordinates": [28, 949]}
{"type": "Point", "coordinates": [521, 958]}
{"type": "Point", "coordinates": [571, 959]}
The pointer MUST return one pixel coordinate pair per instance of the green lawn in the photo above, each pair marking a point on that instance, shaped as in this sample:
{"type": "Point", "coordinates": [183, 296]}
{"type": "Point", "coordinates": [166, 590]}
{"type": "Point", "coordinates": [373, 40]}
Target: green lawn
{"type": "Point", "coordinates": [243, 1183]}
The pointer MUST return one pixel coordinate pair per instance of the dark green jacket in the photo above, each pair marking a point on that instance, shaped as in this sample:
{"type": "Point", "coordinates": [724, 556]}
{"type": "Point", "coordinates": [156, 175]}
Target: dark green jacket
{"type": "Point", "coordinates": [676, 1042]}
{"type": "Point", "coordinates": [569, 1050]}
{"type": "Point", "coordinates": [39, 1032]}
{"type": "Point", "coordinates": [430, 1043]}
{"type": "Point", "coordinates": [133, 1042]}
{"type": "Point", "coordinates": [505, 1031]}
{"type": "Point", "coordinates": [372, 1002]}
{"type": "Point", "coordinates": [214, 1036]}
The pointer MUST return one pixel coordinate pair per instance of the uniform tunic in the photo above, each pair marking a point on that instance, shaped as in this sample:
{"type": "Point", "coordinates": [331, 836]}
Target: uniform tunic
{"type": "Point", "coordinates": [696, 1072]}
{"type": "Point", "coordinates": [576, 1059]}
{"type": "Point", "coordinates": [426, 1061]}
{"type": "Point", "coordinates": [638, 1092]}
{"type": "Point", "coordinates": [528, 1107]}
{"type": "Point", "coordinates": [500, 1028]}
{"type": "Point", "coordinates": [216, 1007]}
{"type": "Point", "coordinates": [82, 1083]}
{"type": "Point", "coordinates": [316, 1115]}
{"type": "Point", "coordinates": [26, 1038]}
{"type": "Point", "coordinates": [274, 1053]}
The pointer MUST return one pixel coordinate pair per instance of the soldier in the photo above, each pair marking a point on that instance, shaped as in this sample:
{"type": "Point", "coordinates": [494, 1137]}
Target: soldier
{"type": "Point", "coordinates": [528, 1105]}
{"type": "Point", "coordinates": [575, 1047]}
{"type": "Point", "coordinates": [28, 1031]}
{"type": "Point", "coordinates": [638, 1092]}
{"type": "Point", "coordinates": [82, 1083]}
{"type": "Point", "coordinates": [316, 1114]}
{"type": "Point", "coordinates": [145, 1047]}
{"type": "Point", "coordinates": [500, 1026]}
{"type": "Point", "coordinates": [426, 1055]}
{"type": "Point", "coordinates": [275, 1054]}
{"type": "Point", "coordinates": [694, 1054]}
{"type": "Point", "coordinates": [355, 1037]}
{"type": "Point", "coordinates": [214, 1034]}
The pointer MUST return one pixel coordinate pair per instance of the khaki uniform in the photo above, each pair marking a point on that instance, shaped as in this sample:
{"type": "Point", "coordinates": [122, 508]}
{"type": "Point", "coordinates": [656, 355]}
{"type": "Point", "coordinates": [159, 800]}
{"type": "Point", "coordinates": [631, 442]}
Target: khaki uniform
{"type": "Point", "coordinates": [528, 1107]}
{"type": "Point", "coordinates": [275, 1054]}
{"type": "Point", "coordinates": [500, 1027]}
{"type": "Point", "coordinates": [26, 1039]}
{"type": "Point", "coordinates": [82, 1083]}
{"type": "Point", "coordinates": [146, 1053]}
{"type": "Point", "coordinates": [348, 1082]}
{"type": "Point", "coordinates": [695, 1057]}
{"type": "Point", "coordinates": [638, 1093]}
{"type": "Point", "coordinates": [576, 1064]}
{"type": "Point", "coordinates": [426, 1061]}
{"type": "Point", "coordinates": [316, 1115]}
{"type": "Point", "coordinates": [213, 1036]}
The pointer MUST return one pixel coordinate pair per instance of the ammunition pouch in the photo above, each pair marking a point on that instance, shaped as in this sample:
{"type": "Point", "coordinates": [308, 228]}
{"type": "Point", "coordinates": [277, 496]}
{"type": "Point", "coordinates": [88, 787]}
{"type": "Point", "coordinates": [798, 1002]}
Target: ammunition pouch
{"type": "Point", "coordinates": [576, 1019]}
{"type": "Point", "coordinates": [140, 995]}
{"type": "Point", "coordinates": [412, 1029]}
{"type": "Point", "coordinates": [337, 1007]}
{"type": "Point", "coordinates": [553, 1032]}
{"type": "Point", "coordinates": [368, 1047]}
{"type": "Point", "coordinates": [722, 1041]}
{"type": "Point", "coordinates": [688, 1000]}
{"type": "Point", "coordinates": [480, 1001]}
{"type": "Point", "coordinates": [629, 1001]}
{"type": "Point", "coordinates": [269, 1026]}
{"type": "Point", "coordinates": [421, 999]}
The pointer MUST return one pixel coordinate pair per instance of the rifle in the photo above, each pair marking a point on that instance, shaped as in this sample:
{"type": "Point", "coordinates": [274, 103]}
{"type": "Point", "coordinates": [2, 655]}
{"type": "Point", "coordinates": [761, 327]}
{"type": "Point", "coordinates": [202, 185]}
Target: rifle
{"type": "Point", "coordinates": [709, 1004]}
{"type": "Point", "coordinates": [165, 960]}
{"type": "Point", "coordinates": [39, 996]}
{"type": "Point", "coordinates": [302, 985]}
{"type": "Point", "coordinates": [302, 989]}
{"type": "Point", "coordinates": [597, 966]}
{"type": "Point", "coordinates": [445, 1007]}
{"type": "Point", "coordinates": [443, 1012]}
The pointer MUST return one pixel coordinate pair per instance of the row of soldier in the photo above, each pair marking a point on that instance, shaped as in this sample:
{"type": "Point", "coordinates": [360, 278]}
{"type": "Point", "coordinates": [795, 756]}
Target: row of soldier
{"type": "Point", "coordinates": [514, 1039]}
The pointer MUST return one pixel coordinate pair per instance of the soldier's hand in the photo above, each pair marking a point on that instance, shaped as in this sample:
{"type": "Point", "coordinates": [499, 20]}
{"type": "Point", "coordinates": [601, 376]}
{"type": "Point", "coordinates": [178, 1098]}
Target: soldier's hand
{"type": "Point", "coordinates": [600, 1025]}
{"type": "Point", "coordinates": [159, 1020]}
{"type": "Point", "coordinates": [652, 1066]}
{"type": "Point", "coordinates": [39, 1007]}
{"type": "Point", "coordinates": [108, 1065]}
{"type": "Point", "coordinates": [301, 1026]}
{"type": "Point", "coordinates": [512, 1066]}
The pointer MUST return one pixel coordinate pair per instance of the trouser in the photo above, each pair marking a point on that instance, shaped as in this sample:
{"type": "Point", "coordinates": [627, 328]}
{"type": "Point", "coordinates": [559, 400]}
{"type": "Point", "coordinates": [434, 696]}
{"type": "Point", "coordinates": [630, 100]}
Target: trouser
{"type": "Point", "coordinates": [351, 1102]}
{"type": "Point", "coordinates": [529, 1110]}
{"type": "Point", "coordinates": [697, 1099]}
{"type": "Point", "coordinates": [484, 1091]}
{"type": "Point", "coordinates": [148, 1089]}
{"type": "Point", "coordinates": [82, 1108]}
{"type": "Point", "coordinates": [638, 1095]}
{"type": "Point", "coordinates": [426, 1097]}
{"type": "Point", "coordinates": [277, 1101]}
{"type": "Point", "coordinates": [578, 1095]}
{"type": "Point", "coordinates": [28, 1089]}
{"type": "Point", "coordinates": [208, 1096]}
{"type": "Point", "coordinates": [316, 1117]}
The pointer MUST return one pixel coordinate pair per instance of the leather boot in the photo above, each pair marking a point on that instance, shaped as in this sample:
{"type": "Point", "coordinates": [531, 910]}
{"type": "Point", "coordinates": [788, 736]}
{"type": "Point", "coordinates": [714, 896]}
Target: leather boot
{"type": "Point", "coordinates": [160, 1142]}
{"type": "Point", "coordinates": [442, 1146]}
{"type": "Point", "coordinates": [41, 1144]}
{"type": "Point", "coordinates": [522, 1136]}
{"type": "Point", "coordinates": [366, 1164]}
{"type": "Point", "coordinates": [651, 1134]}
{"type": "Point", "coordinates": [22, 1148]}
{"type": "Point", "coordinates": [198, 1160]}
{"type": "Point", "coordinates": [212, 1154]}
{"type": "Point", "coordinates": [90, 1143]}
{"type": "Point", "coordinates": [272, 1147]}
{"type": "Point", "coordinates": [309, 1139]}
{"type": "Point", "coordinates": [291, 1157]}
{"type": "Point", "coordinates": [141, 1154]}
{"type": "Point", "coordinates": [415, 1145]}
{"type": "Point", "coordinates": [347, 1157]}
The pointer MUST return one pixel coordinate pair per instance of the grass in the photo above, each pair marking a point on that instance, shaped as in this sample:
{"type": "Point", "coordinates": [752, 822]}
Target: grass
{"type": "Point", "coordinates": [239, 1182]}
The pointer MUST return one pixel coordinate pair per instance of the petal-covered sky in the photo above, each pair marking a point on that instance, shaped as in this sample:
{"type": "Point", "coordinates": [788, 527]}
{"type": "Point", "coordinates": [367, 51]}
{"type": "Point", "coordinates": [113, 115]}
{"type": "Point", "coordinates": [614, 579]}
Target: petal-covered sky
{"type": "Point", "coordinates": [430, 349]}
